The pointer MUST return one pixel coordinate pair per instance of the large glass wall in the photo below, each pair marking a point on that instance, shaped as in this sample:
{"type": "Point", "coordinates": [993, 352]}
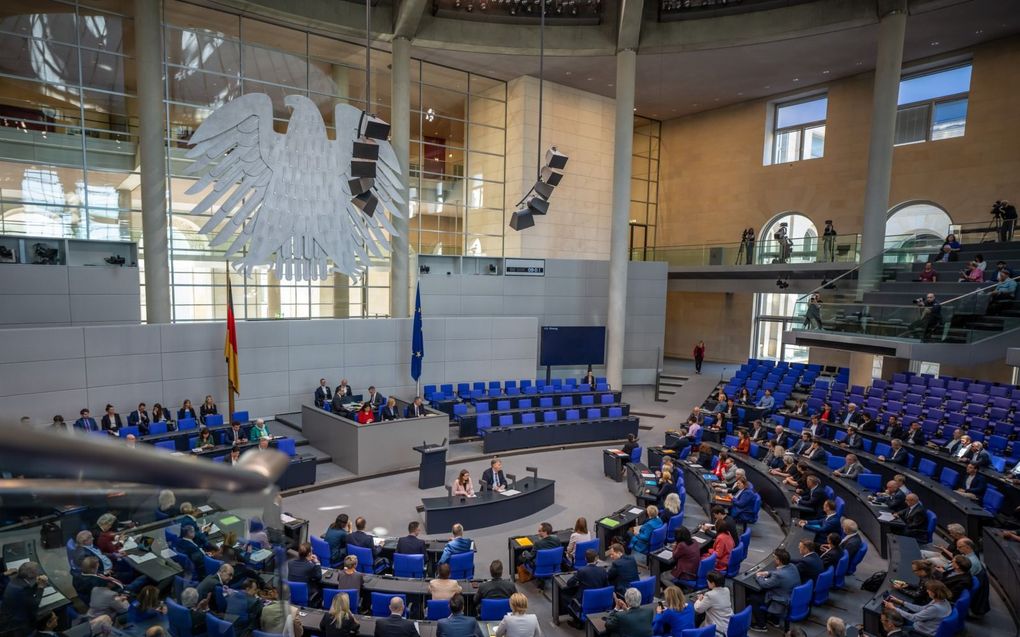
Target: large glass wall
{"type": "Point", "coordinates": [644, 186]}
{"type": "Point", "coordinates": [68, 133]}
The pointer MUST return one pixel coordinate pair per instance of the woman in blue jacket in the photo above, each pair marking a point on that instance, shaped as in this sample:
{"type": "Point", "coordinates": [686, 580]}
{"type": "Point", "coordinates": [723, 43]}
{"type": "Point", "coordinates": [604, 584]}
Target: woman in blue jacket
{"type": "Point", "coordinates": [675, 616]}
{"type": "Point", "coordinates": [643, 534]}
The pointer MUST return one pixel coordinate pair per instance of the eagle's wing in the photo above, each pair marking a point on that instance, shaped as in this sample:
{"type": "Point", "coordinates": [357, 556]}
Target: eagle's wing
{"type": "Point", "coordinates": [234, 145]}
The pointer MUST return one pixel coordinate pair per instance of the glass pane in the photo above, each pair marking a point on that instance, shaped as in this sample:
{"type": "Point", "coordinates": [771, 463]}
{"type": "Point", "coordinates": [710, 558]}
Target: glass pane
{"type": "Point", "coordinates": [277, 67]}
{"type": "Point", "coordinates": [787, 146]}
{"type": "Point", "coordinates": [184, 14]}
{"type": "Point", "coordinates": [493, 89]}
{"type": "Point", "coordinates": [31, 105]}
{"type": "Point", "coordinates": [207, 90]}
{"type": "Point", "coordinates": [273, 36]}
{"type": "Point", "coordinates": [912, 124]}
{"type": "Point", "coordinates": [47, 19]}
{"type": "Point", "coordinates": [42, 200]}
{"type": "Point", "coordinates": [801, 112]}
{"type": "Point", "coordinates": [446, 77]}
{"type": "Point", "coordinates": [437, 101]}
{"type": "Point", "coordinates": [195, 49]}
{"type": "Point", "coordinates": [486, 139]}
{"type": "Point", "coordinates": [935, 85]}
{"type": "Point", "coordinates": [106, 31]}
{"type": "Point", "coordinates": [814, 142]}
{"type": "Point", "coordinates": [485, 166]}
{"type": "Point", "coordinates": [488, 112]}
{"type": "Point", "coordinates": [949, 120]}
{"type": "Point", "coordinates": [38, 59]}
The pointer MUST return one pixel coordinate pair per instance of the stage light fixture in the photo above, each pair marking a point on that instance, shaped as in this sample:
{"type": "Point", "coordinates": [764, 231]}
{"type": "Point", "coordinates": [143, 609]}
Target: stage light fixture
{"type": "Point", "coordinates": [367, 202]}
{"type": "Point", "coordinates": [366, 148]}
{"type": "Point", "coordinates": [521, 219]}
{"type": "Point", "coordinates": [359, 186]}
{"type": "Point", "coordinates": [538, 206]}
{"type": "Point", "coordinates": [551, 176]}
{"type": "Point", "coordinates": [375, 128]}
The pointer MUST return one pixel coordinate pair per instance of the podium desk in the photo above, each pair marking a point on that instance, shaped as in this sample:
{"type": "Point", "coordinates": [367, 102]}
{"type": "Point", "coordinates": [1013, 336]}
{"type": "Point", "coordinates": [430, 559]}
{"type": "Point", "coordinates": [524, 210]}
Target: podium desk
{"type": "Point", "coordinates": [432, 469]}
{"type": "Point", "coordinates": [618, 524]}
{"type": "Point", "coordinates": [489, 508]}
{"type": "Point", "coordinates": [902, 551]}
{"type": "Point", "coordinates": [613, 461]}
{"type": "Point", "coordinates": [375, 447]}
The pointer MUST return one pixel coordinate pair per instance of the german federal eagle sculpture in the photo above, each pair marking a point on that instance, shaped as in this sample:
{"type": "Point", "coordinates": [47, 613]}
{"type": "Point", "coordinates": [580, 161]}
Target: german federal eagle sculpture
{"type": "Point", "coordinates": [298, 202]}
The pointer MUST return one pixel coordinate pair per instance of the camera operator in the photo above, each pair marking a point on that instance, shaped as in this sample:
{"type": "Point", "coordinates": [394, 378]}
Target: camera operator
{"type": "Point", "coordinates": [1005, 212]}
{"type": "Point", "coordinates": [748, 240]}
{"type": "Point", "coordinates": [829, 241]}
{"type": "Point", "coordinates": [931, 316]}
{"type": "Point", "coordinates": [785, 243]}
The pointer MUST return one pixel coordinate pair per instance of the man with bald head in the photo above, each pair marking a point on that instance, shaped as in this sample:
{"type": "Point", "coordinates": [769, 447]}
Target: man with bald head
{"type": "Point", "coordinates": [915, 519]}
{"type": "Point", "coordinates": [395, 625]}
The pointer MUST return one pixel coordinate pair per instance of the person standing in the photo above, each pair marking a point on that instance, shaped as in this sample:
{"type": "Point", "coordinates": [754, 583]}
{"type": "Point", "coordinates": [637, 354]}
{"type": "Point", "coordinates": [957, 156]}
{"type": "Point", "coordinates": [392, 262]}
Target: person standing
{"type": "Point", "coordinates": [1009, 217]}
{"type": "Point", "coordinates": [699, 356]}
{"type": "Point", "coordinates": [813, 316]}
{"type": "Point", "coordinates": [829, 241]}
{"type": "Point", "coordinates": [749, 248]}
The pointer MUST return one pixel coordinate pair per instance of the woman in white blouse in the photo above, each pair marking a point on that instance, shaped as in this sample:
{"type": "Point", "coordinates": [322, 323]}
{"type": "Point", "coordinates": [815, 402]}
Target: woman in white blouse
{"type": "Point", "coordinates": [519, 622]}
{"type": "Point", "coordinates": [580, 534]}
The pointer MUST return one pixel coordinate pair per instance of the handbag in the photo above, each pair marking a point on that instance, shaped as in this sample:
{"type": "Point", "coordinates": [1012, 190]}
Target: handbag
{"type": "Point", "coordinates": [524, 575]}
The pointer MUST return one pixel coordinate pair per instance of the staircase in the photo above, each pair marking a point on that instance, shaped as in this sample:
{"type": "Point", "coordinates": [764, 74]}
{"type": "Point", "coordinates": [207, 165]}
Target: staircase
{"type": "Point", "coordinates": [667, 384]}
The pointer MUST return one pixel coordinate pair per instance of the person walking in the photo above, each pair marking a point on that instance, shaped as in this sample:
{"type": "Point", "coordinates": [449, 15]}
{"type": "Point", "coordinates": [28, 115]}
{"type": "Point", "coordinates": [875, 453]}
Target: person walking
{"type": "Point", "coordinates": [699, 356]}
{"type": "Point", "coordinates": [829, 241]}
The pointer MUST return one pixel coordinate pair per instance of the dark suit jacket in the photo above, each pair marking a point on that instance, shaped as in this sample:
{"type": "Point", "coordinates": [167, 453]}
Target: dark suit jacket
{"type": "Point", "coordinates": [809, 567]}
{"type": "Point", "coordinates": [345, 391]}
{"type": "Point", "coordinates": [622, 572]}
{"type": "Point", "coordinates": [304, 571]}
{"type": "Point", "coordinates": [823, 526]}
{"type": "Point", "coordinates": [111, 423]}
{"type": "Point", "coordinates": [459, 625]}
{"type": "Point", "coordinates": [851, 544]}
{"type": "Point", "coordinates": [588, 577]}
{"type": "Point", "coordinates": [813, 500]}
{"type": "Point", "coordinates": [916, 522]}
{"type": "Point", "coordinates": [20, 605]}
{"type": "Point", "coordinates": [497, 589]}
{"type": "Point", "coordinates": [136, 419]}
{"type": "Point", "coordinates": [898, 456]}
{"type": "Point", "coordinates": [322, 394]}
{"type": "Point", "coordinates": [832, 557]}
{"type": "Point", "coordinates": [409, 412]}
{"type": "Point", "coordinates": [390, 413]}
{"type": "Point", "coordinates": [84, 583]}
{"type": "Point", "coordinates": [633, 622]}
{"type": "Point", "coordinates": [916, 437]}
{"type": "Point", "coordinates": [977, 486]}
{"type": "Point", "coordinates": [364, 540]}
{"type": "Point", "coordinates": [757, 435]}
{"type": "Point", "coordinates": [982, 459]}
{"type": "Point", "coordinates": [487, 477]}
{"type": "Point", "coordinates": [411, 545]}
{"type": "Point", "coordinates": [229, 438]}
{"type": "Point", "coordinates": [818, 455]}
{"type": "Point", "coordinates": [186, 413]}
{"type": "Point", "coordinates": [86, 424]}
{"type": "Point", "coordinates": [192, 551]}
{"type": "Point", "coordinates": [394, 626]}
{"type": "Point", "coordinates": [896, 502]}
{"type": "Point", "coordinates": [957, 583]}
{"type": "Point", "coordinates": [854, 441]}
{"type": "Point", "coordinates": [855, 419]}
{"type": "Point", "coordinates": [376, 400]}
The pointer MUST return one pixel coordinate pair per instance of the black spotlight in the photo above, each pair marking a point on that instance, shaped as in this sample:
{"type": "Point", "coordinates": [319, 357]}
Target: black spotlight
{"type": "Point", "coordinates": [521, 220]}
{"type": "Point", "coordinates": [366, 148]}
{"type": "Point", "coordinates": [782, 284]}
{"type": "Point", "coordinates": [361, 185]}
{"type": "Point", "coordinates": [551, 176]}
{"type": "Point", "coordinates": [363, 168]}
{"type": "Point", "coordinates": [423, 269]}
{"type": "Point", "coordinates": [366, 202]}
{"type": "Point", "coordinates": [375, 128]}
{"type": "Point", "coordinates": [538, 206]}
{"type": "Point", "coordinates": [555, 159]}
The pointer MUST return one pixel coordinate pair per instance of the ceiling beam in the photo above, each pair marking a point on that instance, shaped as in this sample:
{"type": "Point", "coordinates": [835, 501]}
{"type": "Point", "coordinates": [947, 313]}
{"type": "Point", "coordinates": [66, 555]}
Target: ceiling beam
{"type": "Point", "coordinates": [629, 34]}
{"type": "Point", "coordinates": [408, 17]}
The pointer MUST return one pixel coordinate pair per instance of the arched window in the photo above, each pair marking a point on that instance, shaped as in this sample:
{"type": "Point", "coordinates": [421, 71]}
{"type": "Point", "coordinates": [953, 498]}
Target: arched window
{"type": "Point", "coordinates": [916, 223]}
{"type": "Point", "coordinates": [799, 229]}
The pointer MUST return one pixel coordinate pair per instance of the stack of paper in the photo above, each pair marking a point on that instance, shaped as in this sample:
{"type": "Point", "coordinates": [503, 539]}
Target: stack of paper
{"type": "Point", "coordinates": [637, 510]}
{"type": "Point", "coordinates": [141, 559]}
{"type": "Point", "coordinates": [205, 508]}
{"type": "Point", "coordinates": [261, 555]}
{"type": "Point", "coordinates": [510, 492]}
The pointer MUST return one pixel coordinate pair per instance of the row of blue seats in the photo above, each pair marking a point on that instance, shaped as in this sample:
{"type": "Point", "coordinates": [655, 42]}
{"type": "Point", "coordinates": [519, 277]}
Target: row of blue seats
{"type": "Point", "coordinates": [948, 382]}
{"type": "Point", "coordinates": [494, 388]}
{"type": "Point", "coordinates": [461, 409]}
{"type": "Point", "coordinates": [530, 418]}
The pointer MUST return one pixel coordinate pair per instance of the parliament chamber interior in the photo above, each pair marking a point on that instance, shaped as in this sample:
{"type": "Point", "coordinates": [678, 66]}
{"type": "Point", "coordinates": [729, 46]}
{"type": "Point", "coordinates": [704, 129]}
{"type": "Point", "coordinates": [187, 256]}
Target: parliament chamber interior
{"type": "Point", "coordinates": [526, 318]}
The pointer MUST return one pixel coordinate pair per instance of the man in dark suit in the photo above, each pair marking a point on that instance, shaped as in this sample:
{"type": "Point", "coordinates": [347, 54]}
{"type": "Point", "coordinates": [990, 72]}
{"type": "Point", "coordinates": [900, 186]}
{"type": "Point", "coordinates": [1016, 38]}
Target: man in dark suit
{"type": "Point", "coordinates": [894, 428]}
{"type": "Point", "coordinates": [546, 540]}
{"type": "Point", "coordinates": [187, 546]}
{"type": "Point", "coordinates": [957, 577]}
{"type": "Point", "coordinates": [416, 409]}
{"type": "Point", "coordinates": [851, 541]}
{"type": "Point", "coordinates": [395, 625]}
{"type": "Point", "coordinates": [822, 527]}
{"type": "Point", "coordinates": [811, 502]}
{"type": "Point", "coordinates": [322, 393]}
{"type": "Point", "coordinates": [742, 505]}
{"type": "Point", "coordinates": [139, 418]}
{"type": "Point", "coordinates": [817, 428]}
{"type": "Point", "coordinates": [111, 419]}
{"type": "Point", "coordinates": [802, 444]}
{"type": "Point", "coordinates": [587, 577]}
{"type": "Point", "coordinates": [622, 569]}
{"type": "Point", "coordinates": [916, 435]}
{"type": "Point", "coordinates": [914, 519]}
{"type": "Point", "coordinates": [374, 398]}
{"type": "Point", "coordinates": [758, 432]}
{"type": "Point", "coordinates": [979, 456]}
{"type": "Point", "coordinates": [497, 587]}
{"type": "Point", "coordinates": [898, 455]}
{"type": "Point", "coordinates": [306, 569]}
{"type": "Point", "coordinates": [234, 435]}
{"type": "Point", "coordinates": [222, 577]}
{"type": "Point", "coordinates": [21, 601]}
{"type": "Point", "coordinates": [974, 484]}
{"type": "Point", "coordinates": [89, 578]}
{"type": "Point", "coordinates": [458, 624]}
{"type": "Point", "coordinates": [892, 497]}
{"type": "Point", "coordinates": [783, 438]}
{"type": "Point", "coordinates": [851, 416]}
{"type": "Point", "coordinates": [853, 439]}
{"type": "Point", "coordinates": [810, 563]}
{"type": "Point", "coordinates": [362, 539]}
{"type": "Point", "coordinates": [831, 550]}
{"type": "Point", "coordinates": [778, 586]}
{"type": "Point", "coordinates": [411, 544]}
{"type": "Point", "coordinates": [343, 390]}
{"type": "Point", "coordinates": [630, 618]}
{"type": "Point", "coordinates": [86, 422]}
{"type": "Point", "coordinates": [493, 477]}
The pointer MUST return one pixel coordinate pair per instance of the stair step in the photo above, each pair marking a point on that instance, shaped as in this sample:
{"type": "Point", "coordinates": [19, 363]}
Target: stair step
{"type": "Point", "coordinates": [674, 377]}
{"type": "Point", "coordinates": [664, 384]}
{"type": "Point", "coordinates": [667, 392]}
{"type": "Point", "coordinates": [324, 460]}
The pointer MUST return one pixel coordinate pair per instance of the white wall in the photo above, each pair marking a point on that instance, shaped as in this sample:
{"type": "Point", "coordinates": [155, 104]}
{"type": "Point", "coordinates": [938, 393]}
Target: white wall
{"type": "Point", "coordinates": [572, 292]}
{"type": "Point", "coordinates": [63, 295]}
{"type": "Point", "coordinates": [60, 370]}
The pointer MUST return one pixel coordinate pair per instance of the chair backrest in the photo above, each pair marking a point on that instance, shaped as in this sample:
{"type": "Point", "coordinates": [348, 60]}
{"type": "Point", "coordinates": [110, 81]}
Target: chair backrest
{"type": "Point", "coordinates": [547, 561]}
{"type": "Point", "coordinates": [365, 558]}
{"type": "Point", "coordinates": [216, 627]}
{"type": "Point", "coordinates": [657, 540]}
{"type": "Point", "coordinates": [381, 603]}
{"type": "Point", "coordinates": [635, 455]}
{"type": "Point", "coordinates": [596, 600]}
{"type": "Point", "coordinates": [572, 414]}
{"type": "Point", "coordinates": [932, 522]}
{"type": "Point", "coordinates": [822, 585]}
{"type": "Point", "coordinates": [405, 565]}
{"type": "Point", "coordinates": [548, 416]}
{"type": "Point", "coordinates": [740, 623]}
{"type": "Point", "coordinates": [321, 550]}
{"type": "Point", "coordinates": [528, 418]}
{"type": "Point", "coordinates": [800, 602]}
{"type": "Point", "coordinates": [211, 564]}
{"type": "Point", "coordinates": [240, 416]}
{"type": "Point", "coordinates": [949, 477]}
{"type": "Point", "coordinates": [168, 445]}
{"type": "Point", "coordinates": [506, 420]}
{"type": "Point", "coordinates": [298, 593]}
{"type": "Point", "coordinates": [436, 609]}
{"type": "Point", "coordinates": [329, 593]}
{"type": "Point", "coordinates": [857, 559]}
{"type": "Point", "coordinates": [706, 566]}
{"type": "Point", "coordinates": [647, 587]}
{"type": "Point", "coordinates": [737, 557]}
{"type": "Point", "coordinates": [178, 618]}
{"type": "Point", "coordinates": [839, 577]}
{"type": "Point", "coordinates": [993, 500]}
{"type": "Point", "coordinates": [494, 609]}
{"type": "Point", "coordinates": [582, 547]}
{"type": "Point", "coordinates": [704, 631]}
{"type": "Point", "coordinates": [927, 467]}
{"type": "Point", "coordinates": [462, 565]}
{"type": "Point", "coordinates": [870, 481]}
{"type": "Point", "coordinates": [948, 625]}
{"type": "Point", "coordinates": [287, 446]}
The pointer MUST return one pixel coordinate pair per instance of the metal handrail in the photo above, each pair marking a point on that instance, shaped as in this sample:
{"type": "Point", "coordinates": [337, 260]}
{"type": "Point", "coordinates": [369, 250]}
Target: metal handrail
{"type": "Point", "coordinates": [978, 291]}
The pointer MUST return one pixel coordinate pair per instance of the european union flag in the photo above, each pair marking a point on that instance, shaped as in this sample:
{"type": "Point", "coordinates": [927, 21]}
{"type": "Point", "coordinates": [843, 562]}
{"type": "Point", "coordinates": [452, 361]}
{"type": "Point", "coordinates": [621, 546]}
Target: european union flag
{"type": "Point", "coordinates": [417, 339]}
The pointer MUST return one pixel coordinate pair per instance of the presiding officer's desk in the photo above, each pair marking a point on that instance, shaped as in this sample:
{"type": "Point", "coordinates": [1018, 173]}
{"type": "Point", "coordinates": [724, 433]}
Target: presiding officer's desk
{"type": "Point", "coordinates": [467, 425]}
{"type": "Point", "coordinates": [375, 447]}
{"type": "Point", "coordinates": [561, 432]}
{"type": "Point", "coordinates": [947, 504]}
{"type": "Point", "coordinates": [493, 401]}
{"type": "Point", "coordinates": [1002, 559]}
{"type": "Point", "coordinates": [902, 551]}
{"type": "Point", "coordinates": [489, 508]}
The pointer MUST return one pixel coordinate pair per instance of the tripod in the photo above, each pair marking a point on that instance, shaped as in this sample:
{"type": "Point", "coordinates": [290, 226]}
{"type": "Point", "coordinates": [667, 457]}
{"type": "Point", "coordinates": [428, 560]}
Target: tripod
{"type": "Point", "coordinates": [994, 226]}
{"type": "Point", "coordinates": [741, 252]}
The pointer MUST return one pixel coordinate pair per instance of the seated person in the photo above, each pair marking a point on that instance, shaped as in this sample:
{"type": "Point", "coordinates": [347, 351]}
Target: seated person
{"type": "Point", "coordinates": [140, 418]}
{"type": "Point", "coordinates": [204, 440]}
{"type": "Point", "coordinates": [831, 550]}
{"type": "Point", "coordinates": [622, 568]}
{"type": "Point", "coordinates": [366, 414]}
{"type": "Point", "coordinates": [159, 414]}
{"type": "Point", "coordinates": [462, 486]}
{"type": "Point", "coordinates": [349, 577]}
{"type": "Point", "coordinates": [360, 538]}
{"type": "Point", "coordinates": [758, 432]}
{"type": "Point", "coordinates": [914, 518]}
{"type": "Point", "coordinates": [972, 274]}
{"type": "Point", "coordinates": [926, 618]}
{"type": "Point", "coordinates": [546, 540]}
{"type": "Point", "coordinates": [343, 390]}
{"type": "Point", "coordinates": [898, 455]}
{"type": "Point", "coordinates": [950, 250]}
{"type": "Point", "coordinates": [928, 274]}
{"type": "Point", "coordinates": [923, 571]}
{"type": "Point", "coordinates": [207, 408]}
{"type": "Point", "coordinates": [686, 558]}
{"type": "Point", "coordinates": [777, 586]}
{"type": "Point", "coordinates": [673, 615]}
{"type": "Point", "coordinates": [851, 468]}
{"type": "Point", "coordinates": [245, 605]}
{"type": "Point", "coordinates": [111, 419]}
{"type": "Point", "coordinates": [442, 587]}
{"type": "Point", "coordinates": [88, 578]}
{"type": "Point", "coordinates": [305, 568]}
{"type": "Point", "coordinates": [86, 422]}
{"type": "Point", "coordinates": [743, 503]}
{"type": "Point", "coordinates": [416, 409]}
{"type": "Point", "coordinates": [493, 477]}
{"type": "Point", "coordinates": [631, 619]}
{"type": "Point", "coordinates": [411, 544]}
{"type": "Point", "coordinates": [390, 411]}
{"type": "Point", "coordinates": [187, 546]}
{"type": "Point", "coordinates": [743, 442]}
{"type": "Point", "coordinates": [915, 435]}
{"type": "Point", "coordinates": [974, 484]}
{"type": "Point", "coordinates": [587, 577]}
{"type": "Point", "coordinates": [809, 565]}
{"type": "Point", "coordinates": [258, 431]}
{"type": "Point", "coordinates": [766, 403]}
{"type": "Point", "coordinates": [456, 545]}
{"type": "Point", "coordinates": [497, 587]}
{"type": "Point", "coordinates": [810, 503]}
{"type": "Point", "coordinates": [630, 446]}
{"type": "Point", "coordinates": [187, 411]}
{"type": "Point", "coordinates": [222, 577]}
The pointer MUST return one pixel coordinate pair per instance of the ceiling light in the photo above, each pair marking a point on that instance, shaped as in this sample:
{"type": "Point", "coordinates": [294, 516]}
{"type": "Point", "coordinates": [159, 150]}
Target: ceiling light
{"type": "Point", "coordinates": [825, 72]}
{"type": "Point", "coordinates": [635, 109]}
{"type": "Point", "coordinates": [716, 99]}
{"type": "Point", "coordinates": [768, 86]}
{"type": "Point", "coordinates": [859, 62]}
{"type": "Point", "coordinates": [609, 85]}
{"type": "Point", "coordinates": [739, 93]}
{"type": "Point", "coordinates": [979, 32]}
{"type": "Point", "coordinates": [934, 43]}
{"type": "Point", "coordinates": [430, 115]}
{"type": "Point", "coordinates": [796, 79]}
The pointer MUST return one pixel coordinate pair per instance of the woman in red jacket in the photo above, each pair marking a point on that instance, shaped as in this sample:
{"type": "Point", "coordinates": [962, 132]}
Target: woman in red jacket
{"type": "Point", "coordinates": [743, 442]}
{"type": "Point", "coordinates": [366, 414]}
{"type": "Point", "coordinates": [826, 415]}
{"type": "Point", "coordinates": [699, 356]}
{"type": "Point", "coordinates": [723, 545]}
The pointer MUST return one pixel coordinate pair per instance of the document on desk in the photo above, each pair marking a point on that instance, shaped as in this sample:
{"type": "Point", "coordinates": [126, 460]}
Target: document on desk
{"type": "Point", "coordinates": [143, 558]}
{"type": "Point", "coordinates": [130, 544]}
{"type": "Point", "coordinates": [213, 530]}
{"type": "Point", "coordinates": [167, 554]}
{"type": "Point", "coordinates": [53, 598]}
{"type": "Point", "coordinates": [636, 510]}
{"type": "Point", "coordinates": [15, 564]}
{"type": "Point", "coordinates": [609, 522]}
{"type": "Point", "coordinates": [886, 516]}
{"type": "Point", "coordinates": [666, 555]}
{"type": "Point", "coordinates": [286, 519]}
{"type": "Point", "coordinates": [205, 508]}
{"type": "Point", "coordinates": [510, 492]}
{"type": "Point", "coordinates": [260, 555]}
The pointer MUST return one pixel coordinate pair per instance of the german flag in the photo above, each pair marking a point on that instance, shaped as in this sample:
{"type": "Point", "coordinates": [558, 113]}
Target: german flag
{"type": "Point", "coordinates": [230, 345]}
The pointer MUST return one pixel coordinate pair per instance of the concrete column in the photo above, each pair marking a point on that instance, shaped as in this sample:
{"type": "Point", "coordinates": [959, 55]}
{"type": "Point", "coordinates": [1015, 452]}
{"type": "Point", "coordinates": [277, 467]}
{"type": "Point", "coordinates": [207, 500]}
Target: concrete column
{"type": "Point", "coordinates": [861, 367]}
{"type": "Point", "coordinates": [152, 158]}
{"type": "Point", "coordinates": [341, 282]}
{"type": "Point", "coordinates": [891, 31]}
{"type": "Point", "coordinates": [400, 108]}
{"type": "Point", "coordinates": [623, 144]}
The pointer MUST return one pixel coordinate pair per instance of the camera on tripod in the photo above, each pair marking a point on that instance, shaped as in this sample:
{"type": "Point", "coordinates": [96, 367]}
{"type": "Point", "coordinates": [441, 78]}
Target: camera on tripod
{"type": "Point", "coordinates": [44, 254]}
{"type": "Point", "coordinates": [997, 210]}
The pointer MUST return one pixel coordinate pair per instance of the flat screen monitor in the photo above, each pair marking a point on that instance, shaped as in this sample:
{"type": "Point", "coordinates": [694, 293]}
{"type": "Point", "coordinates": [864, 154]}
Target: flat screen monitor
{"type": "Point", "coordinates": [573, 345]}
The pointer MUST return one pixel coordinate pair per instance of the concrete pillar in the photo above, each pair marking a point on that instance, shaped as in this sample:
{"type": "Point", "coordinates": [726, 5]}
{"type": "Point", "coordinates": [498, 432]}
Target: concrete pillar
{"type": "Point", "coordinates": [400, 108]}
{"type": "Point", "coordinates": [341, 282]}
{"type": "Point", "coordinates": [861, 367]}
{"type": "Point", "coordinates": [623, 144]}
{"type": "Point", "coordinates": [888, 66]}
{"type": "Point", "coordinates": [152, 158]}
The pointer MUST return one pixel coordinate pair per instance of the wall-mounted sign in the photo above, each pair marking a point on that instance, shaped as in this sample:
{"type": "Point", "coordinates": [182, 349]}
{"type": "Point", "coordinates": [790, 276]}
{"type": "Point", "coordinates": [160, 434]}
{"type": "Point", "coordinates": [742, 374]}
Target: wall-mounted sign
{"type": "Point", "coordinates": [524, 267]}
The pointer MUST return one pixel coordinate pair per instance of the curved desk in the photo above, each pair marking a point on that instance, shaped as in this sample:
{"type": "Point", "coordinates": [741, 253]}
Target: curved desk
{"type": "Point", "coordinates": [1002, 559]}
{"type": "Point", "coordinates": [489, 508]}
{"type": "Point", "coordinates": [558, 433]}
{"type": "Point", "coordinates": [857, 507]}
{"type": "Point", "coordinates": [415, 590]}
{"type": "Point", "coordinates": [770, 488]}
{"type": "Point", "coordinates": [902, 551]}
